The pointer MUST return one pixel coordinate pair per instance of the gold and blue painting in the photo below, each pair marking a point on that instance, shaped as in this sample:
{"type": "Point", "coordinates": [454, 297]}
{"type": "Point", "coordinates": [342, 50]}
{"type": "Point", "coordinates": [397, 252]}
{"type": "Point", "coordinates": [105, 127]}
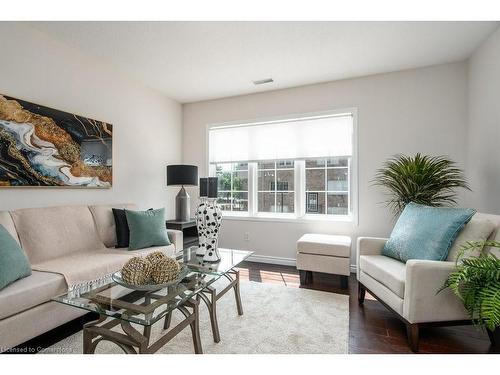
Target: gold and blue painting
{"type": "Point", "coordinates": [41, 146]}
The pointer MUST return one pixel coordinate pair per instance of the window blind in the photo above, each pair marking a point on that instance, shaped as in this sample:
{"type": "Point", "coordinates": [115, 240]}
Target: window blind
{"type": "Point", "coordinates": [312, 137]}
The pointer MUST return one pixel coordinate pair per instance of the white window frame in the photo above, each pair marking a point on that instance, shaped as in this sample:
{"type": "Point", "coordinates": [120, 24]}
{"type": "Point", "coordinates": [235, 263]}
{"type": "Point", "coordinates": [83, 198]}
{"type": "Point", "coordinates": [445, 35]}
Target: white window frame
{"type": "Point", "coordinates": [299, 180]}
{"type": "Point", "coordinates": [327, 191]}
{"type": "Point", "coordinates": [275, 191]}
{"type": "Point", "coordinates": [233, 191]}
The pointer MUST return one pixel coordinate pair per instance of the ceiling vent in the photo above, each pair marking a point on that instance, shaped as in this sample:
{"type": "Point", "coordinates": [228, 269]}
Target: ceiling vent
{"type": "Point", "coordinates": [263, 81]}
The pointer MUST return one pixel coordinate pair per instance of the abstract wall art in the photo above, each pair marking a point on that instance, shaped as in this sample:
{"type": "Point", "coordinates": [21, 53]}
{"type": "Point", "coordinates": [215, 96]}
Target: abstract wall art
{"type": "Point", "coordinates": [41, 146]}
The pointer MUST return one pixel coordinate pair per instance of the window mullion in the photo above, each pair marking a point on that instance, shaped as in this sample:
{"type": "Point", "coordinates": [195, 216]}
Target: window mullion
{"type": "Point", "coordinates": [326, 189]}
{"type": "Point", "coordinates": [232, 186]}
{"type": "Point", "coordinates": [252, 189]}
{"type": "Point", "coordinates": [299, 182]}
{"type": "Point", "coordinates": [276, 187]}
{"type": "Point", "coordinates": [349, 186]}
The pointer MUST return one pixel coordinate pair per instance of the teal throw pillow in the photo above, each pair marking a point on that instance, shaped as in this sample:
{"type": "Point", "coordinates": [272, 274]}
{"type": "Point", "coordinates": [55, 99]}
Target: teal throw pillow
{"type": "Point", "coordinates": [147, 228]}
{"type": "Point", "coordinates": [14, 264]}
{"type": "Point", "coordinates": [424, 232]}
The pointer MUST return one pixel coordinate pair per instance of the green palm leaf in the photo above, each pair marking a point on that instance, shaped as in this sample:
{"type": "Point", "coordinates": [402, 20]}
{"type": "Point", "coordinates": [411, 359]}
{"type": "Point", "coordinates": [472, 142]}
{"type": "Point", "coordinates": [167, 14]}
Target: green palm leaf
{"type": "Point", "coordinates": [476, 281]}
{"type": "Point", "coordinates": [428, 180]}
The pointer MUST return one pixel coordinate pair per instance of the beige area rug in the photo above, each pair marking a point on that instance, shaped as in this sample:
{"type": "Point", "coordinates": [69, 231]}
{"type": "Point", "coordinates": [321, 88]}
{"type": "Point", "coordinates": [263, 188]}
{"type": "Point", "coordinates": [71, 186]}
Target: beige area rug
{"type": "Point", "coordinates": [277, 319]}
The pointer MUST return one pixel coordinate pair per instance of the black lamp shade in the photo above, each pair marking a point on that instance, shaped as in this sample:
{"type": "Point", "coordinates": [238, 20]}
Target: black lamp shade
{"type": "Point", "coordinates": [182, 175]}
{"type": "Point", "coordinates": [213, 187]}
{"type": "Point", "coordinates": [203, 187]}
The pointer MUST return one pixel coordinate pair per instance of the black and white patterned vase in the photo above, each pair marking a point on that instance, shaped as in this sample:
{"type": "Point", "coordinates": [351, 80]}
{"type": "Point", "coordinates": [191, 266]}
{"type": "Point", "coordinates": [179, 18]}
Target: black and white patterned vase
{"type": "Point", "coordinates": [213, 222]}
{"type": "Point", "coordinates": [201, 227]}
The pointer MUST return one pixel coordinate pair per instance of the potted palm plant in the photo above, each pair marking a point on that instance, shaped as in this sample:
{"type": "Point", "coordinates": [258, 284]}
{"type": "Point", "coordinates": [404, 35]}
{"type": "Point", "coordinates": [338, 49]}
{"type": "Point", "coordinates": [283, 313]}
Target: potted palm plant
{"type": "Point", "coordinates": [423, 179]}
{"type": "Point", "coordinates": [476, 281]}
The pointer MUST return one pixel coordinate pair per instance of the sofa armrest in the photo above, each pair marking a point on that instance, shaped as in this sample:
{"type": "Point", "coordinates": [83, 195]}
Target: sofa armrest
{"type": "Point", "coordinates": [176, 238]}
{"type": "Point", "coordinates": [368, 246]}
{"type": "Point", "coordinates": [422, 302]}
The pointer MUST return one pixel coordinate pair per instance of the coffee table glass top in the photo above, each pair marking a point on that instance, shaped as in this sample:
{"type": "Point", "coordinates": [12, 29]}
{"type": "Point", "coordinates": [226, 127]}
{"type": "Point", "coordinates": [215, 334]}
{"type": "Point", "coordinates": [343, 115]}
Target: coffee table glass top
{"type": "Point", "coordinates": [142, 307]}
{"type": "Point", "coordinates": [229, 259]}
{"type": "Point", "coordinates": [146, 307]}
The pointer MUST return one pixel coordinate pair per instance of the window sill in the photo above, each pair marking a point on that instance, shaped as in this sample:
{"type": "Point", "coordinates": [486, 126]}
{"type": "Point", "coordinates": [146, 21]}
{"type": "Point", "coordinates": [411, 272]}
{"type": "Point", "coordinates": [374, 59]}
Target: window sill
{"type": "Point", "coordinates": [288, 218]}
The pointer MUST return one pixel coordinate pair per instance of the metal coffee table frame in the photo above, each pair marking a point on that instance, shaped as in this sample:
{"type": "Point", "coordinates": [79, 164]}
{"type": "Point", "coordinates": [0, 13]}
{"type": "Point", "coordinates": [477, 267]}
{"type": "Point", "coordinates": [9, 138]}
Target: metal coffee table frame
{"type": "Point", "coordinates": [131, 341]}
{"type": "Point", "coordinates": [94, 333]}
{"type": "Point", "coordinates": [210, 297]}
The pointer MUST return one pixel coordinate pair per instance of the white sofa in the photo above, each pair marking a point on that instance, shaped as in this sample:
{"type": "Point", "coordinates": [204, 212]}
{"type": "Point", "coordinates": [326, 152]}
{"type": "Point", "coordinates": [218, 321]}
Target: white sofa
{"type": "Point", "coordinates": [410, 290]}
{"type": "Point", "coordinates": [65, 246]}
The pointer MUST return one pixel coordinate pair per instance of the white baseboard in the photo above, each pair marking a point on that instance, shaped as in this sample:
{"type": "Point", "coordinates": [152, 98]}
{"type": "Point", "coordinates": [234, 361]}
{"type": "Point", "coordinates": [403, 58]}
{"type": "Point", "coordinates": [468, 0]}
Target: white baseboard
{"type": "Point", "coordinates": [282, 261]}
{"type": "Point", "coordinates": [273, 260]}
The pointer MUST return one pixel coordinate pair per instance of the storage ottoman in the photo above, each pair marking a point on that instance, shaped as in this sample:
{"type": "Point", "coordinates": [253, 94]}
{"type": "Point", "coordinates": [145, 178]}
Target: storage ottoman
{"type": "Point", "coordinates": [323, 253]}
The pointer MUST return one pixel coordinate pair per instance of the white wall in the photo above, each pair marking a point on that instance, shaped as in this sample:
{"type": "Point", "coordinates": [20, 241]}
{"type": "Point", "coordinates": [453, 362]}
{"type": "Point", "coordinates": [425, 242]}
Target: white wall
{"type": "Point", "coordinates": [146, 124]}
{"type": "Point", "coordinates": [421, 110]}
{"type": "Point", "coordinates": [483, 141]}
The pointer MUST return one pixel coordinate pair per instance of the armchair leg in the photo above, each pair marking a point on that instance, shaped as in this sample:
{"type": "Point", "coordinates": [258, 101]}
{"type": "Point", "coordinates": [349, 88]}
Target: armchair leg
{"type": "Point", "coordinates": [412, 331]}
{"type": "Point", "coordinates": [361, 293]}
{"type": "Point", "coordinates": [494, 337]}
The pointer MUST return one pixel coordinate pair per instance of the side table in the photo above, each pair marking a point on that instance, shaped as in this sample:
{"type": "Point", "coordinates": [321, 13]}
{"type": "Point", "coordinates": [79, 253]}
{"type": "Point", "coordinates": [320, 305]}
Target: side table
{"type": "Point", "coordinates": [188, 229]}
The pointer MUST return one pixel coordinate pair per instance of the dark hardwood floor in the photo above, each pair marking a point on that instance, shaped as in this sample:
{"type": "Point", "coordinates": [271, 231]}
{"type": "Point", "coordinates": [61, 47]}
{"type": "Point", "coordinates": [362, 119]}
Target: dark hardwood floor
{"type": "Point", "coordinates": [372, 328]}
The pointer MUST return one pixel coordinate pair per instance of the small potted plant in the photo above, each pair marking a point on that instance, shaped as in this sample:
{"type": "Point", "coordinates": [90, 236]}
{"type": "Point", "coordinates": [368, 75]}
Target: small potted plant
{"type": "Point", "coordinates": [476, 281]}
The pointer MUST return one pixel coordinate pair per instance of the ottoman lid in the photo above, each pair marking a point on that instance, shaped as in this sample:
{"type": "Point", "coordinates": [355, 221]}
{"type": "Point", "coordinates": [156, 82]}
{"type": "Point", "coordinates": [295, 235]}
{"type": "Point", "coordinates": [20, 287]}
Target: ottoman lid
{"type": "Point", "coordinates": [325, 244]}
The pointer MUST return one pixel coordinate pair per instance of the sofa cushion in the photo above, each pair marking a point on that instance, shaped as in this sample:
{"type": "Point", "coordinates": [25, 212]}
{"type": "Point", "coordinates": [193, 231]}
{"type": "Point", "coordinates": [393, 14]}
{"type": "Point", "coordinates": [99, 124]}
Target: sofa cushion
{"type": "Point", "coordinates": [477, 229]}
{"type": "Point", "coordinates": [325, 244]}
{"type": "Point", "coordinates": [14, 264]}
{"type": "Point", "coordinates": [8, 223]}
{"type": "Point", "coordinates": [52, 232]}
{"type": "Point", "coordinates": [387, 271]}
{"type": "Point", "coordinates": [424, 232]}
{"type": "Point", "coordinates": [147, 228]}
{"type": "Point", "coordinates": [31, 291]}
{"type": "Point", "coordinates": [31, 323]}
{"type": "Point", "coordinates": [382, 292]}
{"type": "Point", "coordinates": [105, 222]}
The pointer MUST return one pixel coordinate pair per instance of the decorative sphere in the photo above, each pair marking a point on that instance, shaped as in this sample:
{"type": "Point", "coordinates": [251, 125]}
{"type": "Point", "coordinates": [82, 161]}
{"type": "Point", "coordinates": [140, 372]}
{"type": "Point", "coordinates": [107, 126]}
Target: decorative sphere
{"type": "Point", "coordinates": [165, 270]}
{"type": "Point", "coordinates": [137, 271]}
{"type": "Point", "coordinates": [155, 257]}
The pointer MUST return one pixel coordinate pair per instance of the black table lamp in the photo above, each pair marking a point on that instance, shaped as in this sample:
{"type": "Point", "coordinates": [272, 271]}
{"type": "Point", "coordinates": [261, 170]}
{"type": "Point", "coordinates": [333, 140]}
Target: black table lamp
{"type": "Point", "coordinates": [180, 175]}
{"type": "Point", "coordinates": [213, 187]}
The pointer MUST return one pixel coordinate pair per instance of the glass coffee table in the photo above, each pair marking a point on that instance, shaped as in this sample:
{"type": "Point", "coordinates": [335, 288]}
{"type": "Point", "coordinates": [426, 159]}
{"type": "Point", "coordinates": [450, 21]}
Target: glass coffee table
{"type": "Point", "coordinates": [230, 258]}
{"type": "Point", "coordinates": [118, 305]}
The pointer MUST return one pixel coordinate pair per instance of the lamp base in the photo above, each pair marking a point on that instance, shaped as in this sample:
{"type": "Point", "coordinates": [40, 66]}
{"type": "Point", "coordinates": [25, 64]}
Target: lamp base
{"type": "Point", "coordinates": [182, 206]}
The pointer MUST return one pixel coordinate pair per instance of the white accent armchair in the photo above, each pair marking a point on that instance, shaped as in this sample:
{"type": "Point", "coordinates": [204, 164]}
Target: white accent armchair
{"type": "Point", "coordinates": [410, 290]}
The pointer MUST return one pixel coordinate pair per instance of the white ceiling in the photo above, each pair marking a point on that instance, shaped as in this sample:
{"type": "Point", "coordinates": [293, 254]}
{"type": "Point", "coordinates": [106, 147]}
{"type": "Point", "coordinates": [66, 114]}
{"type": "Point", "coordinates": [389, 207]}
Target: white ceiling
{"type": "Point", "coordinates": [193, 61]}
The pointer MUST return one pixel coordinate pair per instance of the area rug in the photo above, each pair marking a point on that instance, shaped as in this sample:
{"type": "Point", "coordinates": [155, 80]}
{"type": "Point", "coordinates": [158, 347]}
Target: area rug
{"type": "Point", "coordinates": [276, 320]}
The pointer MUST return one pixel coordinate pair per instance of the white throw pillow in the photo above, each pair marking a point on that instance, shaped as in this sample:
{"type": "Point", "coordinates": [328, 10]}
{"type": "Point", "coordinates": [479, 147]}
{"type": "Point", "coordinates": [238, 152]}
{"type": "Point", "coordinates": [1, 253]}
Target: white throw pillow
{"type": "Point", "coordinates": [477, 229]}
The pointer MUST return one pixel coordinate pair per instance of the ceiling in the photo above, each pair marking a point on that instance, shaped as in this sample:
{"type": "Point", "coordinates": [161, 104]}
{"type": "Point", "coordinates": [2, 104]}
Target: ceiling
{"type": "Point", "coordinates": [194, 61]}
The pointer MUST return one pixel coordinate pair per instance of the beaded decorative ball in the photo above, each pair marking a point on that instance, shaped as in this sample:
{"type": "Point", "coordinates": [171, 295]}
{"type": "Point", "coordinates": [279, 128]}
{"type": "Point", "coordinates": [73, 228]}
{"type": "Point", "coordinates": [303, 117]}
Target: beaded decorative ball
{"type": "Point", "coordinates": [165, 270]}
{"type": "Point", "coordinates": [155, 257]}
{"type": "Point", "coordinates": [137, 271]}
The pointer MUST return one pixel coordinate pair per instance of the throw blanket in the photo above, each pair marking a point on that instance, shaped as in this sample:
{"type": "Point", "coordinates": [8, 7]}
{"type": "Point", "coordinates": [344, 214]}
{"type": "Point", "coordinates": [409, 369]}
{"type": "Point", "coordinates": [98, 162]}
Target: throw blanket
{"type": "Point", "coordinates": [86, 271]}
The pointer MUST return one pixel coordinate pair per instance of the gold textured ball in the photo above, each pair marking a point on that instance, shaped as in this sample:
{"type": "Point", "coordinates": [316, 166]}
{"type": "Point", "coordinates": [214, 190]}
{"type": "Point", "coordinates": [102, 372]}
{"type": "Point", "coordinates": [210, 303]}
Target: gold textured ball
{"type": "Point", "coordinates": [165, 270]}
{"type": "Point", "coordinates": [155, 257]}
{"type": "Point", "coordinates": [137, 271]}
